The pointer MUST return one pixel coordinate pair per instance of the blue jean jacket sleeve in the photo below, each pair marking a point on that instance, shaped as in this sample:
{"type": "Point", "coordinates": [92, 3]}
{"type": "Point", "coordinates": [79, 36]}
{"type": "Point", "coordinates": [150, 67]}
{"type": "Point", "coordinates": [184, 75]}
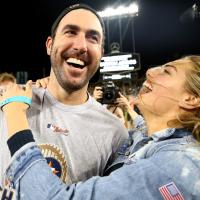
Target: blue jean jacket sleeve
{"type": "Point", "coordinates": [30, 175]}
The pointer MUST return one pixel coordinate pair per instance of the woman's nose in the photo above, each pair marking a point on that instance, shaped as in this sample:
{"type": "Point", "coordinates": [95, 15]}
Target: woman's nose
{"type": "Point", "coordinates": [152, 72]}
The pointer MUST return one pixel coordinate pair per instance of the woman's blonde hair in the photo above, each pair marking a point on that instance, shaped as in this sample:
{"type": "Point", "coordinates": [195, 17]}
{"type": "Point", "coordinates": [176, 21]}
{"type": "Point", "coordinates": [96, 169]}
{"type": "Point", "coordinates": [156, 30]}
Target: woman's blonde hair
{"type": "Point", "coordinates": [191, 118]}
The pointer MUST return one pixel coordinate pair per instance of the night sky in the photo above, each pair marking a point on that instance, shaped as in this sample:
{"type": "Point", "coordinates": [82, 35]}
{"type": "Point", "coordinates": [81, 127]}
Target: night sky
{"type": "Point", "coordinates": [163, 30]}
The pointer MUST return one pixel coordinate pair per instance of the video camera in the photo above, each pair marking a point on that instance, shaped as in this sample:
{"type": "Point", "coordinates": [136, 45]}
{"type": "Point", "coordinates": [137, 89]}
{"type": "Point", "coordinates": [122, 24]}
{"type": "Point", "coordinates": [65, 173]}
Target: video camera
{"type": "Point", "coordinates": [110, 93]}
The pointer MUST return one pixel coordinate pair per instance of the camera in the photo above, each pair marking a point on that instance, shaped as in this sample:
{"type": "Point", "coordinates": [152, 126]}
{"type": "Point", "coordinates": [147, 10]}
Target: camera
{"type": "Point", "coordinates": [110, 93]}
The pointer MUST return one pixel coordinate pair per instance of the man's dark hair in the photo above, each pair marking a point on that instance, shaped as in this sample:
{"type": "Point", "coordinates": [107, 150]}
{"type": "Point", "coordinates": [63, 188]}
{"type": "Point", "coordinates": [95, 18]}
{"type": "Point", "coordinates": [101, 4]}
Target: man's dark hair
{"type": "Point", "coordinates": [75, 7]}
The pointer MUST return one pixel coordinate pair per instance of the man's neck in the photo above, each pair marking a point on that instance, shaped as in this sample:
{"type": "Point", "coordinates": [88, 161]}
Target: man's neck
{"type": "Point", "coordinates": [73, 98]}
{"type": "Point", "coordinates": [77, 97]}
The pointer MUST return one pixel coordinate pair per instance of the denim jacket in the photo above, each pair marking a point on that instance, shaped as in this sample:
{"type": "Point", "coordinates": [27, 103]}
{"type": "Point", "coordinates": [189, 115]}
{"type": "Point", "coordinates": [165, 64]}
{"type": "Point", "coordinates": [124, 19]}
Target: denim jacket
{"type": "Point", "coordinates": [167, 166]}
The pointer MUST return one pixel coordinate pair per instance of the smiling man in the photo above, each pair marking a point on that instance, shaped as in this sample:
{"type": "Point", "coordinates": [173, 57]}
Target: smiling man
{"type": "Point", "coordinates": [77, 136]}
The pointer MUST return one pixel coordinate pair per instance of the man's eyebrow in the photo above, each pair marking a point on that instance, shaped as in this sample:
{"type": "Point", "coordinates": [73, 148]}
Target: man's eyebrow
{"type": "Point", "coordinates": [172, 66]}
{"type": "Point", "coordinates": [71, 26]}
{"type": "Point", "coordinates": [77, 28]}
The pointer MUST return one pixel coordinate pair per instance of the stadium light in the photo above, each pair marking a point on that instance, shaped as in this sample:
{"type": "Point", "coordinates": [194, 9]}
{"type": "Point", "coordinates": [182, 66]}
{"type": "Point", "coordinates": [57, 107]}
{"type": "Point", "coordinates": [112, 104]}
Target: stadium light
{"type": "Point", "coordinates": [120, 11]}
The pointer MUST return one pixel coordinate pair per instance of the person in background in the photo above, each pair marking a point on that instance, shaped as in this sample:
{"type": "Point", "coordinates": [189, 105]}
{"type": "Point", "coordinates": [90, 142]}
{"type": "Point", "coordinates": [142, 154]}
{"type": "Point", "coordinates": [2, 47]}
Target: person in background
{"type": "Point", "coordinates": [6, 79]}
{"type": "Point", "coordinates": [77, 136]}
{"type": "Point", "coordinates": [97, 94]}
{"type": "Point", "coordinates": [128, 109]}
{"type": "Point", "coordinates": [120, 107]}
{"type": "Point", "coordinates": [97, 91]}
{"type": "Point", "coordinates": [162, 163]}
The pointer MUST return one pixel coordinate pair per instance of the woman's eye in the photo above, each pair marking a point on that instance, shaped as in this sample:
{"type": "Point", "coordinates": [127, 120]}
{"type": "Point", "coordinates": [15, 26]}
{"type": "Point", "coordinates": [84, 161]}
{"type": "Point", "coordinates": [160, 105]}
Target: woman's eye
{"type": "Point", "coordinates": [166, 71]}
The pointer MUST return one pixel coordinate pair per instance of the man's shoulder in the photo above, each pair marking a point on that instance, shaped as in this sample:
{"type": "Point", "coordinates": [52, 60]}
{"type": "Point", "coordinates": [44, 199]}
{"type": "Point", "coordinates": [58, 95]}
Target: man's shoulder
{"type": "Point", "coordinates": [38, 92]}
{"type": "Point", "coordinates": [103, 115]}
{"type": "Point", "coordinates": [37, 97]}
{"type": "Point", "coordinates": [37, 101]}
{"type": "Point", "coordinates": [95, 105]}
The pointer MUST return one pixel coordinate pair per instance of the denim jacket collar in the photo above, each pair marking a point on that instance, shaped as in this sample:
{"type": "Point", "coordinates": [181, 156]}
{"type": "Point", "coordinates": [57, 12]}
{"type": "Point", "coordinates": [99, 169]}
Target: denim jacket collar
{"type": "Point", "coordinates": [170, 133]}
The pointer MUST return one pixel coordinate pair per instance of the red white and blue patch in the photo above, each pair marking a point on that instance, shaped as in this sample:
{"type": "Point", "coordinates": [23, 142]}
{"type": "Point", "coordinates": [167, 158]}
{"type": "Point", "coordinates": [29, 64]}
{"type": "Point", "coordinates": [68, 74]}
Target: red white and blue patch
{"type": "Point", "coordinates": [170, 192]}
{"type": "Point", "coordinates": [57, 129]}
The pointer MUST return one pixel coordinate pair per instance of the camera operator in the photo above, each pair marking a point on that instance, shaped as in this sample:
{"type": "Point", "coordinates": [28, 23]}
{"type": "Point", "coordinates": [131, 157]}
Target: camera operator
{"type": "Point", "coordinates": [110, 96]}
{"type": "Point", "coordinates": [107, 94]}
{"type": "Point", "coordinates": [98, 91]}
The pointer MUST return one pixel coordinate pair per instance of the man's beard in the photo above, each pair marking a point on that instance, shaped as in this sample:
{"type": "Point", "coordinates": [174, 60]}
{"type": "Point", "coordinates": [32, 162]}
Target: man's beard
{"type": "Point", "coordinates": [68, 85]}
{"type": "Point", "coordinates": [64, 83]}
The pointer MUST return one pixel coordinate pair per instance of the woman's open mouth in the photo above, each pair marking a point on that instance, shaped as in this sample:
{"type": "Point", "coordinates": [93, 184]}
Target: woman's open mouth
{"type": "Point", "coordinates": [146, 88]}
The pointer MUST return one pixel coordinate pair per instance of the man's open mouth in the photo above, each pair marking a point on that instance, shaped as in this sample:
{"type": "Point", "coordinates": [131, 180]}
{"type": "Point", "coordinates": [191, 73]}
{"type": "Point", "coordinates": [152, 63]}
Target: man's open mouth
{"type": "Point", "coordinates": [76, 63]}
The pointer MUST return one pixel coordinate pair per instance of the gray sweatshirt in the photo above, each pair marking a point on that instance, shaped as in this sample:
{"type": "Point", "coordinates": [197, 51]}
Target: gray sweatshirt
{"type": "Point", "coordinates": [77, 141]}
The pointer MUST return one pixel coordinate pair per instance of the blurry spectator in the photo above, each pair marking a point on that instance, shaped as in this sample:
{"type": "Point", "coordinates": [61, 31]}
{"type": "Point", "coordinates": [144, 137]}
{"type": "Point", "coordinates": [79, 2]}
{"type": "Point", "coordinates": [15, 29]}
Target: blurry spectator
{"type": "Point", "coordinates": [5, 79]}
{"type": "Point", "coordinates": [127, 105]}
{"type": "Point", "coordinates": [97, 92]}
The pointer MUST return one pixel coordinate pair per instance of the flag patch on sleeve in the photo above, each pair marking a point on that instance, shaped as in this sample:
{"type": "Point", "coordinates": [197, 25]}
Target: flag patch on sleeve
{"type": "Point", "coordinates": [170, 192]}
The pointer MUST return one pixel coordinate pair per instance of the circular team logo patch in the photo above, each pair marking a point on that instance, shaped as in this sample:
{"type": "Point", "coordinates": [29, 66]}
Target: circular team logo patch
{"type": "Point", "coordinates": [56, 160]}
{"type": "Point", "coordinates": [55, 166]}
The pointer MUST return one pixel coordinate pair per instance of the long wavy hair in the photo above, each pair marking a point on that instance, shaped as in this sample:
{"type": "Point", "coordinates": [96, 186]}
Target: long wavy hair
{"type": "Point", "coordinates": [190, 119]}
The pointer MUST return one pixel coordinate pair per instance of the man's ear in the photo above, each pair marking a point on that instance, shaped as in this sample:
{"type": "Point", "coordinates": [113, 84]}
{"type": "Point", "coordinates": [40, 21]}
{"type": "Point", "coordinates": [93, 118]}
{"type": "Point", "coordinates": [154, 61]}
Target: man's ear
{"type": "Point", "coordinates": [190, 102]}
{"type": "Point", "coordinates": [49, 45]}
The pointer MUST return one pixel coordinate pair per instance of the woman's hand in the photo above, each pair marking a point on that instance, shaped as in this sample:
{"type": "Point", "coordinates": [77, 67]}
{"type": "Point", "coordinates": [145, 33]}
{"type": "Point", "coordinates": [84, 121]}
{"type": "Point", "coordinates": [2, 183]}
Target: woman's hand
{"type": "Point", "coordinates": [15, 112]}
{"type": "Point", "coordinates": [42, 82]}
{"type": "Point", "coordinates": [16, 90]}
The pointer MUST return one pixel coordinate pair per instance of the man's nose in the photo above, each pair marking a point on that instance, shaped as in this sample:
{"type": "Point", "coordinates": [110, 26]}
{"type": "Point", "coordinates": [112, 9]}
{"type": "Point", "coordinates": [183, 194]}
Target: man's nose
{"type": "Point", "coordinates": [80, 44]}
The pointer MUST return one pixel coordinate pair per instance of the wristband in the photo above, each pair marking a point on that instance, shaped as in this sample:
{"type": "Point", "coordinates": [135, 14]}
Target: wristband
{"type": "Point", "coordinates": [22, 99]}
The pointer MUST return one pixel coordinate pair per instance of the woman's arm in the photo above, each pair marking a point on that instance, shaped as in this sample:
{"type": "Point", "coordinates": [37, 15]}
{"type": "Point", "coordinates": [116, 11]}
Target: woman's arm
{"type": "Point", "coordinates": [15, 111]}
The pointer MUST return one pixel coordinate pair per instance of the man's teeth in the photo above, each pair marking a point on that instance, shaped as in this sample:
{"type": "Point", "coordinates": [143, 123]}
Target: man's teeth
{"type": "Point", "coordinates": [75, 61]}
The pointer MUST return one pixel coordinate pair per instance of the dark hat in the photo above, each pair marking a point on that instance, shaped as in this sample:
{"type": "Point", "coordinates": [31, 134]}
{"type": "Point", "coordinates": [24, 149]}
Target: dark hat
{"type": "Point", "coordinates": [75, 7]}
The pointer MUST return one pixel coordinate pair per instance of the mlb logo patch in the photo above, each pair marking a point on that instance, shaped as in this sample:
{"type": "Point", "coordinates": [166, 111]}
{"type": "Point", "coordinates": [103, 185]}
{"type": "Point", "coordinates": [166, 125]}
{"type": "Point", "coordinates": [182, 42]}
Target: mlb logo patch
{"type": "Point", "coordinates": [170, 192]}
{"type": "Point", "coordinates": [57, 129]}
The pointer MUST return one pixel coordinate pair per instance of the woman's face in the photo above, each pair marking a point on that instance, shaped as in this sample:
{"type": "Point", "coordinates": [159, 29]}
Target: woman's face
{"type": "Point", "coordinates": [164, 88]}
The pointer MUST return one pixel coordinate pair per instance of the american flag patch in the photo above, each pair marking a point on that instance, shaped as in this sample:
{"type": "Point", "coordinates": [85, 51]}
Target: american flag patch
{"type": "Point", "coordinates": [170, 192]}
